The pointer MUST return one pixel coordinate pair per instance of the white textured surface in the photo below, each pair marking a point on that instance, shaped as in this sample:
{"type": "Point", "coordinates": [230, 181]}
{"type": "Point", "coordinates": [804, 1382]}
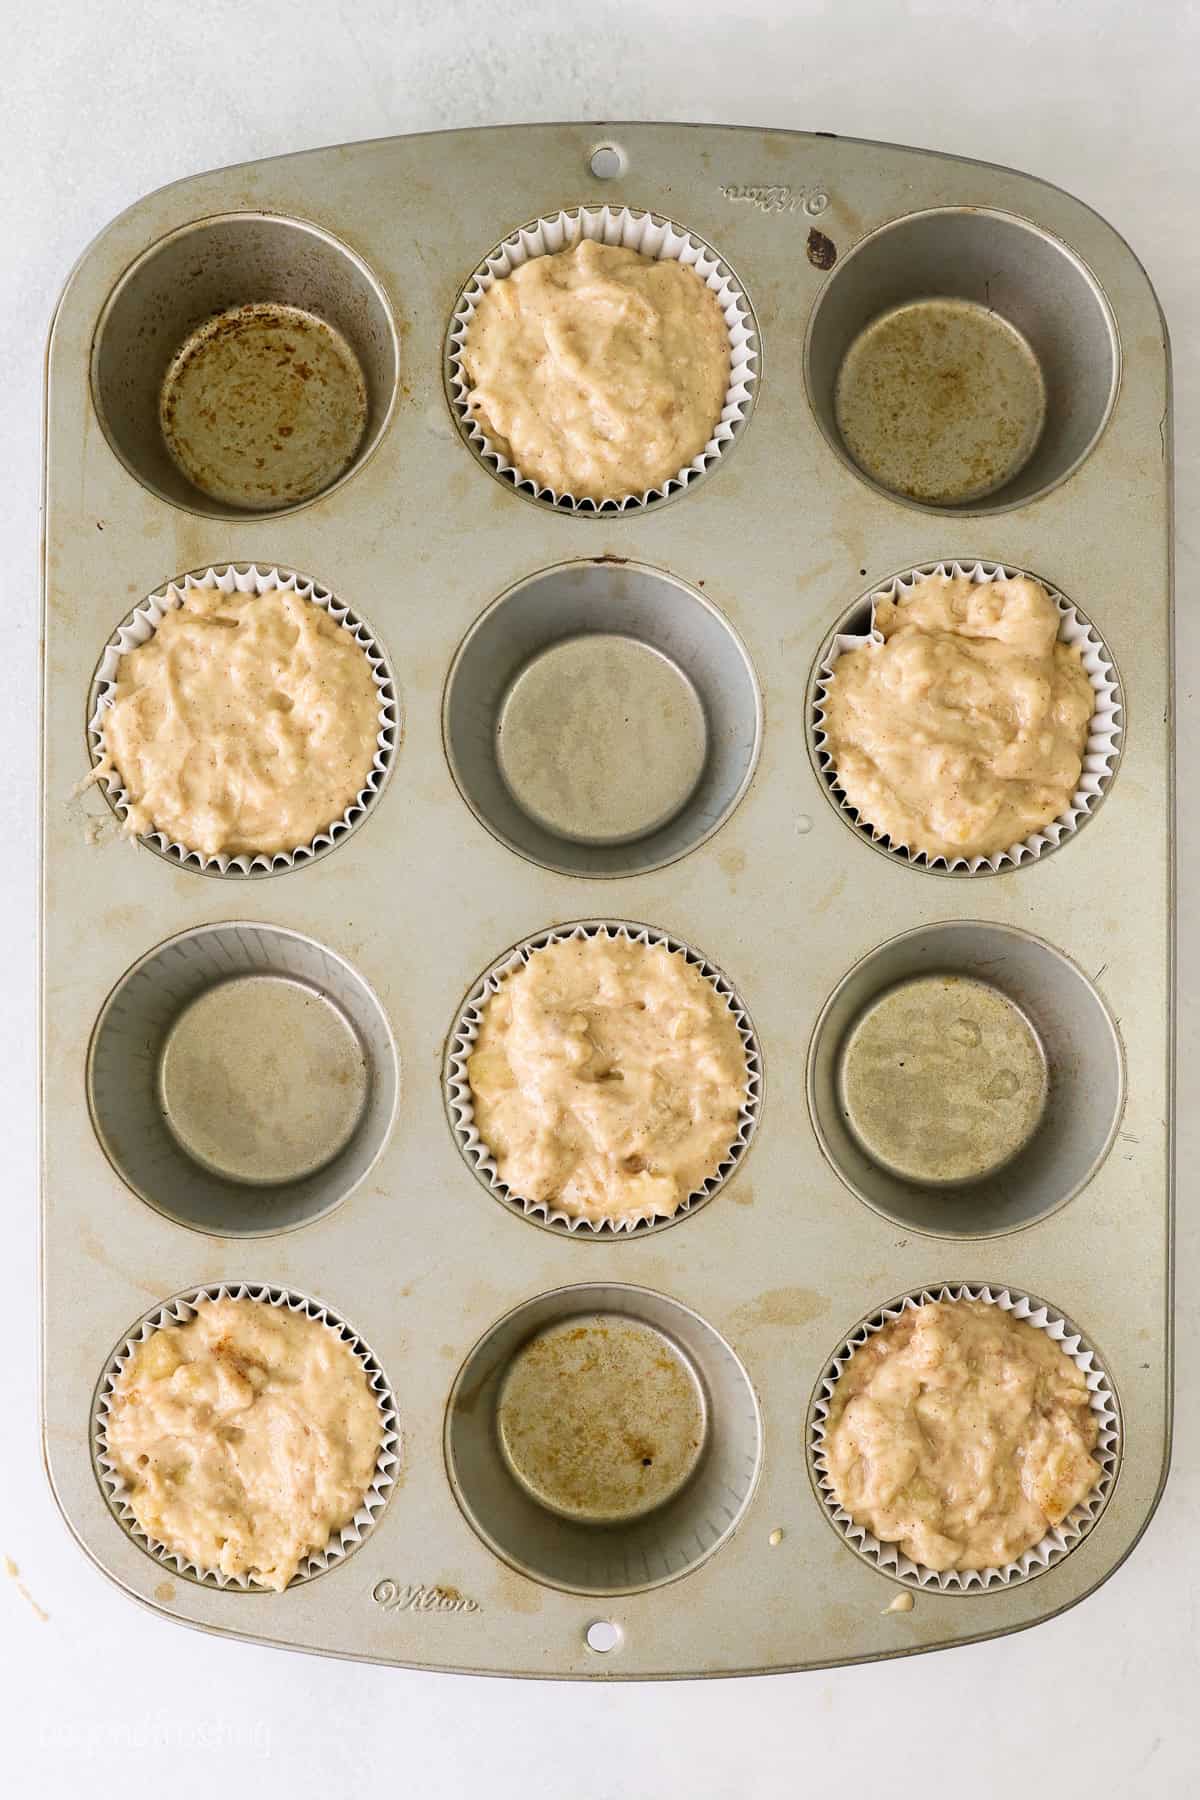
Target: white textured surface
{"type": "Point", "coordinates": [100, 106]}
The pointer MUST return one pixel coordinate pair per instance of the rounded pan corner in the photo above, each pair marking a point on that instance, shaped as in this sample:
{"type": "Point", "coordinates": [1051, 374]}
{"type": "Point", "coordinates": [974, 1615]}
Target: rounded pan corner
{"type": "Point", "coordinates": [1067, 1606]}
{"type": "Point", "coordinates": [94, 243]}
{"type": "Point", "coordinates": [74, 1529]}
{"type": "Point", "coordinates": [1035, 184]}
{"type": "Point", "coordinates": [144, 203]}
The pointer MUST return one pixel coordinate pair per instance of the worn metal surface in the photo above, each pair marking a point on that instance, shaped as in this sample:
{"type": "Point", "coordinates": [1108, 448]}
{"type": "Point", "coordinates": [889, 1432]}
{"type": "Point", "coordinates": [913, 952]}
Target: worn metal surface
{"type": "Point", "coordinates": [309, 1087]}
{"type": "Point", "coordinates": [263, 405]}
{"type": "Point", "coordinates": [604, 1439]}
{"type": "Point", "coordinates": [964, 357]}
{"type": "Point", "coordinates": [635, 762]}
{"type": "Point", "coordinates": [601, 739]}
{"type": "Point", "coordinates": [892, 1132]}
{"type": "Point", "coordinates": [242, 1080]}
{"type": "Point", "coordinates": [601, 1418]}
{"type": "Point", "coordinates": [941, 400]}
{"type": "Point", "coordinates": [942, 1080]}
{"type": "Point", "coordinates": [779, 539]}
{"type": "Point", "coordinates": [244, 364]}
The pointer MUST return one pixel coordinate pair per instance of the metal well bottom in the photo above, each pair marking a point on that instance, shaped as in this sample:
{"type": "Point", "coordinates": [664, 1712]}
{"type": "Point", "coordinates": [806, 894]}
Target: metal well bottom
{"type": "Point", "coordinates": [965, 1079]}
{"type": "Point", "coordinates": [601, 718]}
{"type": "Point", "coordinates": [242, 1079]}
{"type": "Point", "coordinates": [601, 1419]}
{"type": "Point", "coordinates": [603, 1439]}
{"type": "Point", "coordinates": [262, 1079]}
{"type": "Point", "coordinates": [264, 405]}
{"type": "Point", "coordinates": [943, 1080]}
{"type": "Point", "coordinates": [601, 739]}
{"type": "Point", "coordinates": [940, 399]}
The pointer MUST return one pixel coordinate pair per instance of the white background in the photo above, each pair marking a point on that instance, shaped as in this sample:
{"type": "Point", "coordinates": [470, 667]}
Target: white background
{"type": "Point", "coordinates": [102, 102]}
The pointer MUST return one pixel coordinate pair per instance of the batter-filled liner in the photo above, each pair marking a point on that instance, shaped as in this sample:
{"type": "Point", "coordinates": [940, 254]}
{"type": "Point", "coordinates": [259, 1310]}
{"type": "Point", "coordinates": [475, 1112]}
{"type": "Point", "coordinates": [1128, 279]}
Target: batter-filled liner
{"type": "Point", "coordinates": [460, 1105]}
{"type": "Point", "coordinates": [1101, 751]}
{"type": "Point", "coordinates": [141, 625]}
{"type": "Point", "coordinates": [177, 1312]}
{"type": "Point", "coordinates": [651, 236]}
{"type": "Point", "coordinates": [1062, 1538]}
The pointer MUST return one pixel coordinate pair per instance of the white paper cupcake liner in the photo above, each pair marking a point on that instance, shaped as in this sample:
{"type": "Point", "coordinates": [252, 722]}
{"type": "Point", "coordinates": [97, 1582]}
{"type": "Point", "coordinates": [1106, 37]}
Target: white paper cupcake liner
{"type": "Point", "coordinates": [461, 1110]}
{"type": "Point", "coordinates": [1101, 751]}
{"type": "Point", "coordinates": [141, 625]}
{"type": "Point", "coordinates": [1059, 1541]}
{"type": "Point", "coordinates": [177, 1312]}
{"type": "Point", "coordinates": [651, 236]}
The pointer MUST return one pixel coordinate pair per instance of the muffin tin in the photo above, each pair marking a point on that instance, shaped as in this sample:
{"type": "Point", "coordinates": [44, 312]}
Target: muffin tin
{"type": "Point", "coordinates": [712, 605]}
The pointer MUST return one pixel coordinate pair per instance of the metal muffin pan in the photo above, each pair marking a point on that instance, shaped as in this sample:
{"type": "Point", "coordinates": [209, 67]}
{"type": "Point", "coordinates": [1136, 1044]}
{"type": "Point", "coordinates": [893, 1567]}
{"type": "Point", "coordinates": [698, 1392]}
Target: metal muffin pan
{"type": "Point", "coordinates": [207, 1150]}
{"type": "Point", "coordinates": [486, 1558]}
{"type": "Point", "coordinates": [645, 682]}
{"type": "Point", "coordinates": [966, 310]}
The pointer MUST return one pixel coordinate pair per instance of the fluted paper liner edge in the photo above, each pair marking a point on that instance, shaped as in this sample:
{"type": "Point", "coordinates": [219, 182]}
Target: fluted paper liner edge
{"type": "Point", "coordinates": [652, 236]}
{"type": "Point", "coordinates": [463, 1036]}
{"type": "Point", "coordinates": [137, 629]}
{"type": "Point", "coordinates": [1061, 1539]}
{"type": "Point", "coordinates": [1101, 751]}
{"type": "Point", "coordinates": [179, 1311]}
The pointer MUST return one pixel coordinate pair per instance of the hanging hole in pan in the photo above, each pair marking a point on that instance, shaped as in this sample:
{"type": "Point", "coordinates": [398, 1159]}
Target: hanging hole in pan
{"type": "Point", "coordinates": [607, 161]}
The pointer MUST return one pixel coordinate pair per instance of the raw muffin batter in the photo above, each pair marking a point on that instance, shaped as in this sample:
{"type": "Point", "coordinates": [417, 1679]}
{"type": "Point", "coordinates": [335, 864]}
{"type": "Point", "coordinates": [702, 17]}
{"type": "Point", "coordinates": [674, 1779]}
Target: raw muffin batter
{"type": "Point", "coordinates": [246, 723]}
{"type": "Point", "coordinates": [961, 1434]}
{"type": "Point", "coordinates": [246, 1437]}
{"type": "Point", "coordinates": [607, 1079]}
{"type": "Point", "coordinates": [597, 371]}
{"type": "Point", "coordinates": [963, 732]}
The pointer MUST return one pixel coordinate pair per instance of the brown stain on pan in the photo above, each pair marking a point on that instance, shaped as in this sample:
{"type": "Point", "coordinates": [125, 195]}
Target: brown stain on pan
{"type": "Point", "coordinates": [263, 405]}
{"type": "Point", "coordinates": [782, 1306]}
{"type": "Point", "coordinates": [95, 1251]}
{"type": "Point", "coordinates": [600, 1419]}
{"type": "Point", "coordinates": [820, 250]}
{"type": "Point", "coordinates": [516, 1593]}
{"type": "Point", "coordinates": [941, 400]}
